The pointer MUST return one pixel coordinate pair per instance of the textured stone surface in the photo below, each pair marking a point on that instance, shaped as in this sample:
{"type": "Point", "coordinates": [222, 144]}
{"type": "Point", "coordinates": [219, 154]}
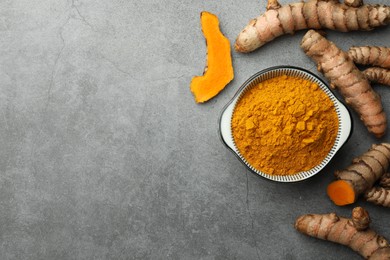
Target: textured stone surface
{"type": "Point", "coordinates": [105, 155]}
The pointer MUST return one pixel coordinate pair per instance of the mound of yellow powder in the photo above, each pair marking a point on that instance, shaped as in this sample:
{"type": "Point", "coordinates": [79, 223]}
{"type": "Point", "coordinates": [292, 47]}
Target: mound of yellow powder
{"type": "Point", "coordinates": [284, 125]}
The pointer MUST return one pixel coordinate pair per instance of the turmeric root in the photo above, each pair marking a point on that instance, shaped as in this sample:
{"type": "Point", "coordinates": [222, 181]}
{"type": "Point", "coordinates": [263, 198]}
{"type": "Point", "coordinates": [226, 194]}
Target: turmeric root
{"type": "Point", "coordinates": [360, 176]}
{"type": "Point", "coordinates": [371, 55]}
{"type": "Point", "coordinates": [354, 233]}
{"type": "Point", "coordinates": [314, 14]}
{"type": "Point", "coordinates": [219, 70]}
{"type": "Point", "coordinates": [385, 181]}
{"type": "Point", "coordinates": [378, 196]}
{"type": "Point", "coordinates": [353, 3]}
{"type": "Point", "coordinates": [378, 75]}
{"type": "Point", "coordinates": [342, 73]}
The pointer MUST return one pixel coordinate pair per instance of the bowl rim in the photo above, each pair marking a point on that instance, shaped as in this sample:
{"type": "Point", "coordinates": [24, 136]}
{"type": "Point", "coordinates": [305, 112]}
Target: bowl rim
{"type": "Point", "coordinates": [343, 135]}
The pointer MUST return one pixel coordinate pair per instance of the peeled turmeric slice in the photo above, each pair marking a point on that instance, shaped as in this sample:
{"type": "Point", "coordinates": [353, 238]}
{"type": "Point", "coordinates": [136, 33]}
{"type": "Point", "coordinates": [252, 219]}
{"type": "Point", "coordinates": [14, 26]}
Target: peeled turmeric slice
{"type": "Point", "coordinates": [219, 69]}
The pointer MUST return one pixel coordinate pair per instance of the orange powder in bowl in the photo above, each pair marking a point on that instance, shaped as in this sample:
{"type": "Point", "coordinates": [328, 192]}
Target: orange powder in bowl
{"type": "Point", "coordinates": [284, 125]}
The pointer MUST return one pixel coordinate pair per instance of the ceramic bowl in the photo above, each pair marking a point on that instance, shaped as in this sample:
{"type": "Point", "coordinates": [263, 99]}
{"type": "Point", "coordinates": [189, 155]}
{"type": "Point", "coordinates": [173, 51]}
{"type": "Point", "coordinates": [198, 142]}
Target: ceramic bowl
{"type": "Point", "coordinates": [344, 118]}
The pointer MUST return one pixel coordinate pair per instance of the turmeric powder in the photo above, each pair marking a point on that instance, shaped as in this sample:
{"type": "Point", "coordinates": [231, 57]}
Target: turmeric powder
{"type": "Point", "coordinates": [284, 125]}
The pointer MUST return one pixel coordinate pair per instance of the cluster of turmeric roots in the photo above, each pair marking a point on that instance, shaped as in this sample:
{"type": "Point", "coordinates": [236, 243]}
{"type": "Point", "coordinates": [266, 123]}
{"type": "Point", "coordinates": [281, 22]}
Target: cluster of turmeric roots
{"type": "Point", "coordinates": [337, 66]}
{"type": "Point", "coordinates": [379, 57]}
{"type": "Point", "coordinates": [362, 176]}
{"type": "Point", "coordinates": [367, 175]}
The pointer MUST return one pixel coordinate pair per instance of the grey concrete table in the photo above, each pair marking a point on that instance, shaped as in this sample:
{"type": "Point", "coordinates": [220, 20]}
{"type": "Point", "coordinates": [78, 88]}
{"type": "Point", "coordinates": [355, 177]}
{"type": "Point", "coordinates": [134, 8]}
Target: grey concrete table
{"type": "Point", "coordinates": [105, 155]}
